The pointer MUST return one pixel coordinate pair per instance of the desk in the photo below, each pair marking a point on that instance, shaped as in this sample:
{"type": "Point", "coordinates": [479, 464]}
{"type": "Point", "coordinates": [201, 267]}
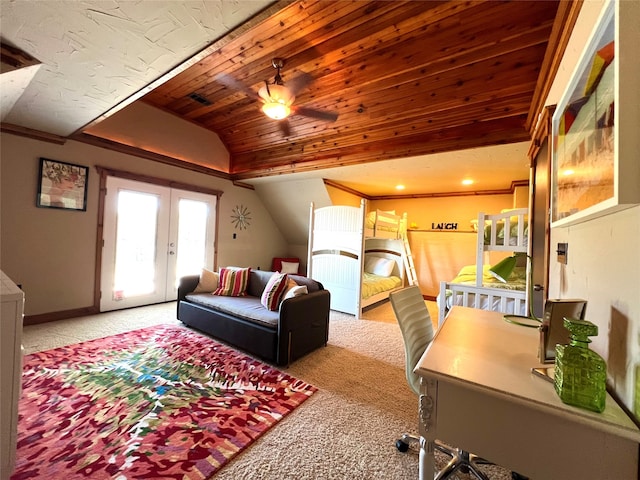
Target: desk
{"type": "Point", "coordinates": [477, 393]}
{"type": "Point", "coordinates": [12, 303]}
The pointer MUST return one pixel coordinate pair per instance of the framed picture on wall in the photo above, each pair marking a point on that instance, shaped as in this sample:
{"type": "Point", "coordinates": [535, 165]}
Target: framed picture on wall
{"type": "Point", "coordinates": [583, 131]}
{"type": "Point", "coordinates": [62, 185]}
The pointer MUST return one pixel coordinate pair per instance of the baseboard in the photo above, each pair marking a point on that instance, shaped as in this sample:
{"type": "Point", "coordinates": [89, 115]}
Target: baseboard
{"type": "Point", "coordinates": [53, 316]}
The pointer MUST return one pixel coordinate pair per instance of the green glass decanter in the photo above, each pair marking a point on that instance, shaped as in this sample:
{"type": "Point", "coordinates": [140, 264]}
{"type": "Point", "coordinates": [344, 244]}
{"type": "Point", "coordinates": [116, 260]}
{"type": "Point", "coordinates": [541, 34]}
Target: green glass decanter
{"type": "Point", "coordinates": [580, 374]}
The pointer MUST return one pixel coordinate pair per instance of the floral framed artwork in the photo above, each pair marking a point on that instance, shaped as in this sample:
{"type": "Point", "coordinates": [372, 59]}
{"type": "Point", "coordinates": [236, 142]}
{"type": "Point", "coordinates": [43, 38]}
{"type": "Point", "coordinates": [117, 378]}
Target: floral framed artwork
{"type": "Point", "coordinates": [583, 131]}
{"type": "Point", "coordinates": [62, 185]}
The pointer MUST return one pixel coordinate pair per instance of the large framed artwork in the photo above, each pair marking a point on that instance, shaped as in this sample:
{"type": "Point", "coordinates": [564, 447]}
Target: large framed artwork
{"type": "Point", "coordinates": [595, 141]}
{"type": "Point", "coordinates": [62, 185]}
{"type": "Point", "coordinates": [583, 130]}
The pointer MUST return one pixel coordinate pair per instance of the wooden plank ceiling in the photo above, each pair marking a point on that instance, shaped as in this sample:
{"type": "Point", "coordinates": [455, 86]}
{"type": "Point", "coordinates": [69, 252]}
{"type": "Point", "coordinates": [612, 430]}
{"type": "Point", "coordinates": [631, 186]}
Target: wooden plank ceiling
{"type": "Point", "coordinates": [405, 78]}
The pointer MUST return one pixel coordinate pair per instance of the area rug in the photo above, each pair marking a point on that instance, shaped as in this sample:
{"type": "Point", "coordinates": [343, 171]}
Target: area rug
{"type": "Point", "coordinates": [162, 402]}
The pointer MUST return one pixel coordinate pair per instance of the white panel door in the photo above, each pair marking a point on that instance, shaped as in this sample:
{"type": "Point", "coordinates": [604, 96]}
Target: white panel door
{"type": "Point", "coordinates": [153, 235]}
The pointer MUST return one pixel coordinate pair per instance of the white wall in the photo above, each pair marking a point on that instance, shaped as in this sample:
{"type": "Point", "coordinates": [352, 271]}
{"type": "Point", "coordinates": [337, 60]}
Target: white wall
{"type": "Point", "coordinates": [603, 265]}
{"type": "Point", "coordinates": [604, 257]}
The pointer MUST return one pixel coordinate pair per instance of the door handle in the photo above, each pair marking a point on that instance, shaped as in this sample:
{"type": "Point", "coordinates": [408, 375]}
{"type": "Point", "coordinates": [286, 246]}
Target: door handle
{"type": "Point", "coordinates": [538, 288]}
{"type": "Point", "coordinates": [171, 252]}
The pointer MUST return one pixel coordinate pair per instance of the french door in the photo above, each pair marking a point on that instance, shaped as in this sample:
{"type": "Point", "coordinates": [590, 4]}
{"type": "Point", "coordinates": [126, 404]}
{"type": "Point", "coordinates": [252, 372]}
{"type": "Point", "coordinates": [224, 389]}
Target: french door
{"type": "Point", "coordinates": [153, 235]}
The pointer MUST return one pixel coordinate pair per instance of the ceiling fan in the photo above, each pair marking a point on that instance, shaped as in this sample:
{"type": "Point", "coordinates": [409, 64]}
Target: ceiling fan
{"type": "Point", "coordinates": [277, 98]}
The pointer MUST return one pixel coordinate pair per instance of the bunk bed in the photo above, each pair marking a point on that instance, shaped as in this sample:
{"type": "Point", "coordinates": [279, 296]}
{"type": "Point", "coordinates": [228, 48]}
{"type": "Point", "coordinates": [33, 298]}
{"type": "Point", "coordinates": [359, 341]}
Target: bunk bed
{"type": "Point", "coordinates": [474, 286]}
{"type": "Point", "coordinates": [358, 257]}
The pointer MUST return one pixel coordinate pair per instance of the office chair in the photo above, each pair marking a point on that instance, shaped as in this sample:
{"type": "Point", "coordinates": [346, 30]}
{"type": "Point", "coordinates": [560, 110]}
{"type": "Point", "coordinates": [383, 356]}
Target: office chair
{"type": "Point", "coordinates": [417, 332]}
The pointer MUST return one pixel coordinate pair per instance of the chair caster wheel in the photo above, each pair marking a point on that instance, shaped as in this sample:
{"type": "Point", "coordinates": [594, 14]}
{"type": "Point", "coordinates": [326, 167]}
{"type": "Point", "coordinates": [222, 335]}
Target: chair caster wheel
{"type": "Point", "coordinates": [402, 446]}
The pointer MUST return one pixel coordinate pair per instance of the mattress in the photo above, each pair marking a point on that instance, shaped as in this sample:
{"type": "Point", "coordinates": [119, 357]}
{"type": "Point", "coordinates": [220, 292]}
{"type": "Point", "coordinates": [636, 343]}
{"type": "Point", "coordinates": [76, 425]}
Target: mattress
{"type": "Point", "coordinates": [517, 280]}
{"type": "Point", "coordinates": [375, 284]}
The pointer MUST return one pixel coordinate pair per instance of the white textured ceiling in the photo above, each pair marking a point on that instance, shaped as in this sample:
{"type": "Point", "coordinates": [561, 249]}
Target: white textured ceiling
{"type": "Point", "coordinates": [96, 54]}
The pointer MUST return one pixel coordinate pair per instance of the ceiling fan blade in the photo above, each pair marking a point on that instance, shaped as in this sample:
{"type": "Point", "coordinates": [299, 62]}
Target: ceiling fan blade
{"type": "Point", "coordinates": [230, 82]}
{"type": "Point", "coordinates": [285, 127]}
{"type": "Point", "coordinates": [296, 84]}
{"type": "Point", "coordinates": [315, 113]}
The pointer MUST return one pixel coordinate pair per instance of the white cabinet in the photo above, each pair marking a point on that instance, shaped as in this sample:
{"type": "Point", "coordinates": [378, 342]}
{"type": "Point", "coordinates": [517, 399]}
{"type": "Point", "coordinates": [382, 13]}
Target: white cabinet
{"type": "Point", "coordinates": [11, 364]}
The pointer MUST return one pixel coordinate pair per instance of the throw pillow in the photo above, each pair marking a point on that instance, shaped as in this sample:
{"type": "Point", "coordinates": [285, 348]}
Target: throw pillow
{"type": "Point", "coordinates": [233, 282]}
{"type": "Point", "coordinates": [290, 267]}
{"type": "Point", "coordinates": [272, 293]}
{"type": "Point", "coordinates": [208, 281]}
{"type": "Point", "coordinates": [295, 292]}
{"type": "Point", "coordinates": [290, 284]}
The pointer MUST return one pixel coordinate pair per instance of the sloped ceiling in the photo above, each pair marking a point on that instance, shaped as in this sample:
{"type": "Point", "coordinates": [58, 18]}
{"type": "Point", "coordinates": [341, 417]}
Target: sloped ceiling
{"type": "Point", "coordinates": [292, 217]}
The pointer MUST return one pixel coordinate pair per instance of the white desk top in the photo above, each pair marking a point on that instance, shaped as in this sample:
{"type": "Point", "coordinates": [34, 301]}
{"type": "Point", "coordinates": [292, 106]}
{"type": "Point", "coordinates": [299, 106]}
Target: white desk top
{"type": "Point", "coordinates": [479, 350]}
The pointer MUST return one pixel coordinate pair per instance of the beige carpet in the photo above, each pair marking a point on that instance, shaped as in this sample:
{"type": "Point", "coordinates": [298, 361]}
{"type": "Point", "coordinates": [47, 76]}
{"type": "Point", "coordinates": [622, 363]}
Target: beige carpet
{"type": "Point", "coordinates": [347, 430]}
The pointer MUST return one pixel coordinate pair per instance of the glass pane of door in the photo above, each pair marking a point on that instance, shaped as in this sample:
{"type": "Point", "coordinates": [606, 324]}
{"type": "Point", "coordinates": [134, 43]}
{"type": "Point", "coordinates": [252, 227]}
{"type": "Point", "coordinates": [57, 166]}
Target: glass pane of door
{"type": "Point", "coordinates": [136, 233]}
{"type": "Point", "coordinates": [192, 237]}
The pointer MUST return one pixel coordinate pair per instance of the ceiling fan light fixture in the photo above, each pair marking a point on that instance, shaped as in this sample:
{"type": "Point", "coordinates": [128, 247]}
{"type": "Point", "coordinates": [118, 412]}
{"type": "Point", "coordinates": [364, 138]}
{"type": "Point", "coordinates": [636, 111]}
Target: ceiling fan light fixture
{"type": "Point", "coordinates": [276, 110]}
{"type": "Point", "coordinates": [277, 101]}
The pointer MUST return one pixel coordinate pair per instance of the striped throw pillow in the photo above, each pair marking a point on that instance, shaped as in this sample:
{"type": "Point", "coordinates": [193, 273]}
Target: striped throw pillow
{"type": "Point", "coordinates": [233, 282]}
{"type": "Point", "coordinates": [273, 291]}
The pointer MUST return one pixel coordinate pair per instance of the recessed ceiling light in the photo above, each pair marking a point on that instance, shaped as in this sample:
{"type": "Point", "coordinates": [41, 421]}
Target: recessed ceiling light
{"type": "Point", "coordinates": [467, 181]}
{"type": "Point", "coordinates": [400, 187]}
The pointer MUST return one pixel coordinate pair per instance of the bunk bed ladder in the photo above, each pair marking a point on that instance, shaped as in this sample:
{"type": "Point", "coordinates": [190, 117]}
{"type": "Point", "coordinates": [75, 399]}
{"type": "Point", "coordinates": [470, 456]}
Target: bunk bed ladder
{"type": "Point", "coordinates": [409, 266]}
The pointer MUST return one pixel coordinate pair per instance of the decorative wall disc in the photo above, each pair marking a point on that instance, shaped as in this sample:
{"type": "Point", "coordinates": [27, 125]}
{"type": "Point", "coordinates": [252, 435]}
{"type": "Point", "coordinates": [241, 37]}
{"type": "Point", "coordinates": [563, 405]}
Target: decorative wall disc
{"type": "Point", "coordinates": [240, 217]}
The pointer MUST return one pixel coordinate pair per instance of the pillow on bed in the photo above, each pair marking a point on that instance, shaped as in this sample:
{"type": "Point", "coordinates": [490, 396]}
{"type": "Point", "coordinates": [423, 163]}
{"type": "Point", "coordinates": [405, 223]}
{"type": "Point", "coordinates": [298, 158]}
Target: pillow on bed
{"type": "Point", "coordinates": [208, 281]}
{"type": "Point", "coordinates": [289, 267]}
{"type": "Point", "coordinates": [233, 282]}
{"type": "Point", "coordinates": [379, 266]}
{"type": "Point", "coordinates": [273, 291]}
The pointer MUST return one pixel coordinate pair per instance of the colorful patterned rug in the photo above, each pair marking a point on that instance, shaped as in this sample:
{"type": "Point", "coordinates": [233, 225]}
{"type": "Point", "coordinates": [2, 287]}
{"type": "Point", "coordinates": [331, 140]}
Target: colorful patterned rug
{"type": "Point", "coordinates": [161, 402]}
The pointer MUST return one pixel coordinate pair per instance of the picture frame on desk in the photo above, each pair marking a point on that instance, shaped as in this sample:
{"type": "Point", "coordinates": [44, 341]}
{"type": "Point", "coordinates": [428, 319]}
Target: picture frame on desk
{"type": "Point", "coordinates": [594, 168]}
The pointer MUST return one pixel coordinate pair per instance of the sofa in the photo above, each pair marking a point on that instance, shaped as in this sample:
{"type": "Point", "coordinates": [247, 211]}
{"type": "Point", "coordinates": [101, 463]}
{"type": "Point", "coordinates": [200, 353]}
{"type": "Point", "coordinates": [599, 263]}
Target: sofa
{"type": "Point", "coordinates": [298, 326]}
